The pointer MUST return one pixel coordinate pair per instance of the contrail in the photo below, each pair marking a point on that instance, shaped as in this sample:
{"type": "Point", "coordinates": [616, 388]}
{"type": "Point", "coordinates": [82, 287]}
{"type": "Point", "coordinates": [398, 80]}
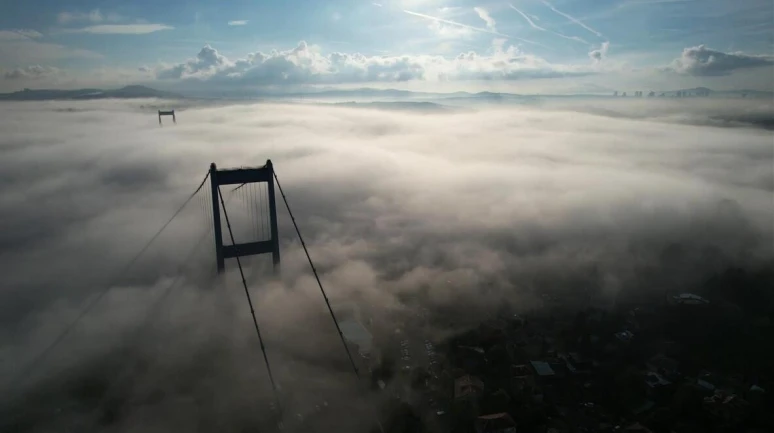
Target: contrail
{"type": "Point", "coordinates": [465, 26]}
{"type": "Point", "coordinates": [573, 19]}
{"type": "Point", "coordinates": [535, 26]}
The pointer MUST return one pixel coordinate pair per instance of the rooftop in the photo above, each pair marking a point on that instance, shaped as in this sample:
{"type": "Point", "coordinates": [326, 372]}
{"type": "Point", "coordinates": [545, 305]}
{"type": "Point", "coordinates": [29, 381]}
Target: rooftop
{"type": "Point", "coordinates": [542, 368]}
{"type": "Point", "coordinates": [688, 299]}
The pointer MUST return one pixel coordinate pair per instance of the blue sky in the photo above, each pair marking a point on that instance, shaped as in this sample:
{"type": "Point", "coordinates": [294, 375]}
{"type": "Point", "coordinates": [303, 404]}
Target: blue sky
{"type": "Point", "coordinates": [392, 43]}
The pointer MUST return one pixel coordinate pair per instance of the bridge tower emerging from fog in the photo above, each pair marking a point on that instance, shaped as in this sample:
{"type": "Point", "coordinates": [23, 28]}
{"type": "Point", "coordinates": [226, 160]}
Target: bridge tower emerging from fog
{"type": "Point", "coordinates": [242, 177]}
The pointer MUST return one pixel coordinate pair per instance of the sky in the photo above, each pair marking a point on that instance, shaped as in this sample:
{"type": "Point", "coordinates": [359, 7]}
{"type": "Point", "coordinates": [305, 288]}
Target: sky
{"type": "Point", "coordinates": [526, 45]}
{"type": "Point", "coordinates": [459, 212]}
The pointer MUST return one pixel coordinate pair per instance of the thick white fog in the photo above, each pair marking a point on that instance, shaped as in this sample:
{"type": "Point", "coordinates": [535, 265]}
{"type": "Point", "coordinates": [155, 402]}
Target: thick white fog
{"type": "Point", "coordinates": [458, 212]}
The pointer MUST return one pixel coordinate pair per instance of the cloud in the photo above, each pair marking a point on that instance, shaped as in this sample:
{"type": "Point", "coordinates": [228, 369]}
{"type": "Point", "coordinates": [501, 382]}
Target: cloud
{"type": "Point", "coordinates": [471, 28]}
{"type": "Point", "coordinates": [19, 47]}
{"type": "Point", "coordinates": [237, 23]}
{"type": "Point", "coordinates": [19, 34]}
{"type": "Point", "coordinates": [573, 19]}
{"type": "Point", "coordinates": [122, 29]}
{"type": "Point", "coordinates": [484, 15]}
{"type": "Point", "coordinates": [703, 61]}
{"type": "Point", "coordinates": [447, 31]}
{"type": "Point", "coordinates": [207, 62]}
{"type": "Point", "coordinates": [31, 72]}
{"type": "Point", "coordinates": [537, 27]}
{"type": "Point", "coordinates": [529, 21]}
{"type": "Point", "coordinates": [94, 16]}
{"type": "Point", "coordinates": [306, 65]}
{"type": "Point", "coordinates": [600, 53]}
{"type": "Point", "coordinates": [453, 23]}
{"type": "Point", "coordinates": [400, 211]}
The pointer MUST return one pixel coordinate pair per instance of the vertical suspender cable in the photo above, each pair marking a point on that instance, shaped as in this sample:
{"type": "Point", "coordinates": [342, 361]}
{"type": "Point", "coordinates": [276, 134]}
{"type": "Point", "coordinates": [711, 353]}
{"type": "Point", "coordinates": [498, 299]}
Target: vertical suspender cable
{"type": "Point", "coordinates": [250, 303]}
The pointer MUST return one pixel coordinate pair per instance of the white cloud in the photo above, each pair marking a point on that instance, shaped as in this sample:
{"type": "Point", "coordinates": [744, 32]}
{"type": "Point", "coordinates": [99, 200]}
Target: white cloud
{"type": "Point", "coordinates": [484, 15]}
{"type": "Point", "coordinates": [94, 16]}
{"type": "Point", "coordinates": [122, 29]}
{"type": "Point", "coordinates": [449, 31]}
{"type": "Point", "coordinates": [306, 65]}
{"type": "Point", "coordinates": [206, 63]}
{"type": "Point", "coordinates": [23, 47]}
{"type": "Point", "coordinates": [600, 53]}
{"type": "Point", "coordinates": [33, 72]}
{"type": "Point", "coordinates": [703, 61]}
{"type": "Point", "coordinates": [19, 34]}
{"type": "Point", "coordinates": [237, 23]}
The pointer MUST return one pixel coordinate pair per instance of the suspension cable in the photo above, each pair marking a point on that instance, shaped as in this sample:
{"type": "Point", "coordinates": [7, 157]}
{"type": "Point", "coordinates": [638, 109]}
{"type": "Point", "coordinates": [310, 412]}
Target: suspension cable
{"type": "Point", "coordinates": [317, 277]}
{"type": "Point", "coordinates": [44, 354]}
{"type": "Point", "coordinates": [150, 317]}
{"type": "Point", "coordinates": [327, 302]}
{"type": "Point", "coordinates": [250, 303]}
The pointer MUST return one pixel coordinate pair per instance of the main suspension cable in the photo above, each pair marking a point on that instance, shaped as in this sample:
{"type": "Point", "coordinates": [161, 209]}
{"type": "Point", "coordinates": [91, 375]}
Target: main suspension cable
{"type": "Point", "coordinates": [250, 303]}
{"type": "Point", "coordinates": [44, 354]}
{"type": "Point", "coordinates": [317, 277]}
{"type": "Point", "coordinates": [322, 290]}
{"type": "Point", "coordinates": [151, 315]}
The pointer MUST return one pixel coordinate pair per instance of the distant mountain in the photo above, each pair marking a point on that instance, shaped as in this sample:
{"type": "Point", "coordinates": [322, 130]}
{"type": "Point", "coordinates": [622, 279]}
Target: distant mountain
{"type": "Point", "coordinates": [747, 93]}
{"type": "Point", "coordinates": [425, 107]}
{"type": "Point", "coordinates": [53, 94]}
{"type": "Point", "coordinates": [719, 93]}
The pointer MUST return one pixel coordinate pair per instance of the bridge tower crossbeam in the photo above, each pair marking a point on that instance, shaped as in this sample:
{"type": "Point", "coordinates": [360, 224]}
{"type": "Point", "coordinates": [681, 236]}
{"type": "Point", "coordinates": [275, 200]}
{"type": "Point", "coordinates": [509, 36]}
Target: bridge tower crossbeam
{"type": "Point", "coordinates": [241, 176]}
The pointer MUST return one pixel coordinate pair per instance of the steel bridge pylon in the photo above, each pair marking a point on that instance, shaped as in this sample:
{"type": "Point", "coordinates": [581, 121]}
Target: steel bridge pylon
{"type": "Point", "coordinates": [241, 176]}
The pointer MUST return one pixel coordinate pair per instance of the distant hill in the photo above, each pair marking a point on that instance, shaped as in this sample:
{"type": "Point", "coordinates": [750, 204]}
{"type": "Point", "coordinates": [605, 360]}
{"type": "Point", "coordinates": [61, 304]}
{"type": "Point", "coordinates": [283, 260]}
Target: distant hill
{"type": "Point", "coordinates": [53, 94]}
{"type": "Point", "coordinates": [426, 107]}
{"type": "Point", "coordinates": [720, 93]}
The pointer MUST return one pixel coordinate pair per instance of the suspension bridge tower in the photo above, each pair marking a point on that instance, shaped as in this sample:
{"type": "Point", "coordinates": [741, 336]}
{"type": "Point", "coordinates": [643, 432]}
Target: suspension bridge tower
{"type": "Point", "coordinates": [264, 178]}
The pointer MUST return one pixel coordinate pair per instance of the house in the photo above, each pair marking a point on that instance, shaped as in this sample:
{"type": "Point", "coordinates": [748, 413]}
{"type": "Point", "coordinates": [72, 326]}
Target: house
{"type": "Point", "coordinates": [727, 409]}
{"type": "Point", "coordinates": [495, 423]}
{"type": "Point", "coordinates": [687, 299]}
{"type": "Point", "coordinates": [468, 387]}
{"type": "Point", "coordinates": [663, 365]}
{"type": "Point", "coordinates": [576, 363]}
{"type": "Point", "coordinates": [636, 428]}
{"type": "Point", "coordinates": [542, 368]}
{"type": "Point", "coordinates": [656, 385]}
{"type": "Point", "coordinates": [624, 336]}
{"type": "Point", "coordinates": [523, 385]}
{"type": "Point", "coordinates": [468, 391]}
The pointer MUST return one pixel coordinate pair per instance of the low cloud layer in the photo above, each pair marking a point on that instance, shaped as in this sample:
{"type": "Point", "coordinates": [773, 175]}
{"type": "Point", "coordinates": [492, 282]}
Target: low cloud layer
{"type": "Point", "coordinates": [457, 212]}
{"type": "Point", "coordinates": [703, 61]}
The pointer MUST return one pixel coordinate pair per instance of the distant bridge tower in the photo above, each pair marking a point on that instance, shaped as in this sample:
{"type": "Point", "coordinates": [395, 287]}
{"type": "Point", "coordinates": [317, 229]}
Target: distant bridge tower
{"type": "Point", "coordinates": [167, 113]}
{"type": "Point", "coordinates": [243, 176]}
